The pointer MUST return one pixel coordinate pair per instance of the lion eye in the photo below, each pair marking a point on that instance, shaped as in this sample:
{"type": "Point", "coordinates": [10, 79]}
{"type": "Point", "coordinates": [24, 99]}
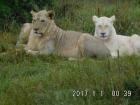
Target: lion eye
{"type": "Point", "coordinates": [99, 26]}
{"type": "Point", "coordinates": [42, 20]}
{"type": "Point", "coordinates": [106, 26]}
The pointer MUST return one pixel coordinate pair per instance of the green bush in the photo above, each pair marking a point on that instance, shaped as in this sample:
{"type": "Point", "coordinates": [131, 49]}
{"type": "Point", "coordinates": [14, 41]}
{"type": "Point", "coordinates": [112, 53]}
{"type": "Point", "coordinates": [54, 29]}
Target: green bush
{"type": "Point", "coordinates": [73, 14]}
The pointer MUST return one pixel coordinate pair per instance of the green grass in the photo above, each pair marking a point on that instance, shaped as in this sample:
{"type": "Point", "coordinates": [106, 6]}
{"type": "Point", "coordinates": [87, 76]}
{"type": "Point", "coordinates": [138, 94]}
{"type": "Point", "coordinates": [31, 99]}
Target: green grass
{"type": "Point", "coordinates": [51, 80]}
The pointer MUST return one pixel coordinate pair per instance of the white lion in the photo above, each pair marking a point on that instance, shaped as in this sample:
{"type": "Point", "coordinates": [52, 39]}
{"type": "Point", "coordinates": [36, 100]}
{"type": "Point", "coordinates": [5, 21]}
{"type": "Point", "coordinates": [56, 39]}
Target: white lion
{"type": "Point", "coordinates": [117, 44]}
{"type": "Point", "coordinates": [46, 38]}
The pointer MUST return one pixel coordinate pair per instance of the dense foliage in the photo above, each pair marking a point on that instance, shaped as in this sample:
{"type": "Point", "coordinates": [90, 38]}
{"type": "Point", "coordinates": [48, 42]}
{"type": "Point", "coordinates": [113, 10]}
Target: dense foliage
{"type": "Point", "coordinates": [16, 12]}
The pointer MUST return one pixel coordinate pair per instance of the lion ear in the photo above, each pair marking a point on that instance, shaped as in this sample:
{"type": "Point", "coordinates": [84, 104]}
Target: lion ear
{"type": "Point", "coordinates": [94, 18]}
{"type": "Point", "coordinates": [113, 18]}
{"type": "Point", "coordinates": [51, 14]}
{"type": "Point", "coordinates": [33, 12]}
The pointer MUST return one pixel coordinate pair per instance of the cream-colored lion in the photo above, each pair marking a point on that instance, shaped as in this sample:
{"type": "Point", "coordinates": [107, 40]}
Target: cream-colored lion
{"type": "Point", "coordinates": [46, 38]}
{"type": "Point", "coordinates": [24, 35]}
{"type": "Point", "coordinates": [117, 44]}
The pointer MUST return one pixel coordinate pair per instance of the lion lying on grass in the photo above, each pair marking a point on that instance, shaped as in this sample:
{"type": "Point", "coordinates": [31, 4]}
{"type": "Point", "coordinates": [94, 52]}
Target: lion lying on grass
{"type": "Point", "coordinates": [117, 44]}
{"type": "Point", "coordinates": [47, 38]}
{"type": "Point", "coordinates": [24, 35]}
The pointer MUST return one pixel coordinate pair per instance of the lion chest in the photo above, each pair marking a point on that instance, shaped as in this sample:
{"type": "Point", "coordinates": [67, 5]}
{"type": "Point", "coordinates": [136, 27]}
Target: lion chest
{"type": "Point", "coordinates": [120, 44]}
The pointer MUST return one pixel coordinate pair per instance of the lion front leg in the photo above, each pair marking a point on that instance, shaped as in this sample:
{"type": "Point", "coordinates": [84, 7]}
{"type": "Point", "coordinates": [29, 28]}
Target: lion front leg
{"type": "Point", "coordinates": [72, 59]}
{"type": "Point", "coordinates": [47, 47]}
{"type": "Point", "coordinates": [114, 54]}
{"type": "Point", "coordinates": [32, 52]}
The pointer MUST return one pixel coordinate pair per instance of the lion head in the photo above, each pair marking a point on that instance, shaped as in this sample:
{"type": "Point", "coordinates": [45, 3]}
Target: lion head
{"type": "Point", "coordinates": [104, 27]}
{"type": "Point", "coordinates": [41, 21]}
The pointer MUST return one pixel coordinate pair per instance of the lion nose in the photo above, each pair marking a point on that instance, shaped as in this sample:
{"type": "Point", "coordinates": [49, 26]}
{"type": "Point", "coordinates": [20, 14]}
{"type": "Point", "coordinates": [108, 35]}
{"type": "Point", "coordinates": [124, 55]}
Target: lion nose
{"type": "Point", "coordinates": [103, 34]}
{"type": "Point", "coordinates": [36, 29]}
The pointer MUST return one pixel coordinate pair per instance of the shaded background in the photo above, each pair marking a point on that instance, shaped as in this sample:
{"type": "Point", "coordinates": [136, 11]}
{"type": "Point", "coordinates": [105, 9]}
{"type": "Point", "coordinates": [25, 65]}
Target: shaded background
{"type": "Point", "coordinates": [73, 14]}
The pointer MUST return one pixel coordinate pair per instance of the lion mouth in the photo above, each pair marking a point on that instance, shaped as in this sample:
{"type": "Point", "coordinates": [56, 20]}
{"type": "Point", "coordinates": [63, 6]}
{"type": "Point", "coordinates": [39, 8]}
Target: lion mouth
{"type": "Point", "coordinates": [38, 33]}
{"type": "Point", "coordinates": [103, 36]}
